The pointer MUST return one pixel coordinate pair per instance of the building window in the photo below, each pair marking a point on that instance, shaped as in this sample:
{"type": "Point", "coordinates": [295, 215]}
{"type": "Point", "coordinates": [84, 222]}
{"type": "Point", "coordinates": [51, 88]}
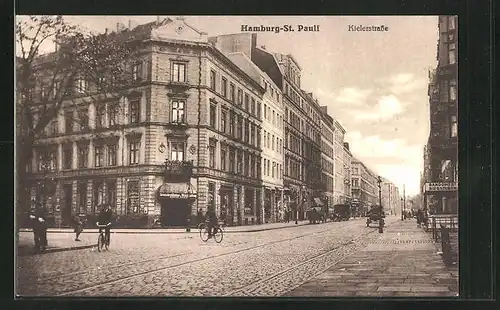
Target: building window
{"type": "Point", "coordinates": [213, 115]}
{"type": "Point", "coordinates": [81, 85]}
{"type": "Point", "coordinates": [178, 111]}
{"type": "Point", "coordinates": [252, 135]}
{"type": "Point", "coordinates": [177, 151]}
{"type": "Point", "coordinates": [137, 71]}
{"type": "Point", "coordinates": [212, 79]}
{"type": "Point", "coordinates": [101, 116]}
{"type": "Point", "coordinates": [239, 162]}
{"type": "Point", "coordinates": [247, 102]}
{"type": "Point", "coordinates": [223, 87]}
{"type": "Point", "coordinates": [247, 131]}
{"type": "Point", "coordinates": [252, 108]}
{"type": "Point", "coordinates": [133, 197]}
{"type": "Point", "coordinates": [211, 153]}
{"type": "Point", "coordinates": [232, 94]}
{"type": "Point", "coordinates": [451, 53]}
{"type": "Point", "coordinates": [451, 23]}
{"type": "Point", "coordinates": [67, 156]}
{"type": "Point", "coordinates": [83, 119]}
{"type": "Point", "coordinates": [83, 156]}
{"type": "Point", "coordinates": [453, 90]}
{"type": "Point", "coordinates": [179, 72]}
{"type": "Point", "coordinates": [54, 127]}
{"type": "Point", "coordinates": [246, 157]}
{"type": "Point", "coordinates": [113, 114]}
{"type": "Point", "coordinates": [231, 123]}
{"type": "Point", "coordinates": [240, 127]}
{"type": "Point", "coordinates": [111, 193]}
{"type": "Point", "coordinates": [223, 155]}
{"type": "Point", "coordinates": [134, 147]}
{"type": "Point", "coordinates": [240, 96]}
{"type": "Point", "coordinates": [223, 116]}
{"type": "Point", "coordinates": [135, 110]}
{"type": "Point", "coordinates": [112, 153]}
{"type": "Point", "coordinates": [231, 159]}
{"type": "Point", "coordinates": [454, 126]}
{"type": "Point", "coordinates": [82, 197]}
{"type": "Point", "coordinates": [99, 155]}
{"type": "Point", "coordinates": [258, 109]}
{"type": "Point", "coordinates": [99, 195]}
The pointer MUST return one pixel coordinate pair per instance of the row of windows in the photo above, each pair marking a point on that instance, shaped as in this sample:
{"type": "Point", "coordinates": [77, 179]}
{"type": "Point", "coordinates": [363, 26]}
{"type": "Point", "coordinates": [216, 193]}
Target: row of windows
{"type": "Point", "coordinates": [327, 165]}
{"type": "Point", "coordinates": [293, 168]}
{"type": "Point", "coordinates": [272, 142]}
{"type": "Point", "coordinates": [106, 115]}
{"type": "Point", "coordinates": [271, 91]}
{"type": "Point", "coordinates": [235, 125]}
{"type": "Point", "coordinates": [275, 118]}
{"type": "Point", "coordinates": [234, 160]}
{"type": "Point", "coordinates": [82, 85]}
{"type": "Point", "coordinates": [272, 169]}
{"type": "Point", "coordinates": [328, 182]}
{"type": "Point", "coordinates": [448, 90]}
{"type": "Point", "coordinates": [241, 98]}
{"type": "Point", "coordinates": [104, 155]}
{"type": "Point", "coordinates": [328, 150]}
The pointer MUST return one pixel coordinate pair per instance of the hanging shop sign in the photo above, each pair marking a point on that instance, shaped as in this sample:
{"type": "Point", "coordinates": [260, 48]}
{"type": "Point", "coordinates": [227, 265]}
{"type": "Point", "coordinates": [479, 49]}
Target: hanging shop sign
{"type": "Point", "coordinates": [441, 187]}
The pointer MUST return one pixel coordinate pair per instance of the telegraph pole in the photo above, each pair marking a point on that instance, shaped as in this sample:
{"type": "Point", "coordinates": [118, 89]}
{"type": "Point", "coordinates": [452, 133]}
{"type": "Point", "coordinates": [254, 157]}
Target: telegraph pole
{"type": "Point", "coordinates": [404, 198]}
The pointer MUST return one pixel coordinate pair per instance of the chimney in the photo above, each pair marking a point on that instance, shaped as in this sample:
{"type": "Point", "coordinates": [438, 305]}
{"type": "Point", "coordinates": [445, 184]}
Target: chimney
{"type": "Point", "coordinates": [131, 24]}
{"type": "Point", "coordinates": [158, 19]}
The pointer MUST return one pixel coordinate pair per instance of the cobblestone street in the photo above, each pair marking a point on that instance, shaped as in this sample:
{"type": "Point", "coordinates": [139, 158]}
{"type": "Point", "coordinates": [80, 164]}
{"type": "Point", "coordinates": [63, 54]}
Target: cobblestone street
{"type": "Point", "coordinates": [266, 263]}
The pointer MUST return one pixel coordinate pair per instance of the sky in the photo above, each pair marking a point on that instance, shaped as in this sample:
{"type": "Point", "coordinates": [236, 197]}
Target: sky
{"type": "Point", "coordinates": [374, 83]}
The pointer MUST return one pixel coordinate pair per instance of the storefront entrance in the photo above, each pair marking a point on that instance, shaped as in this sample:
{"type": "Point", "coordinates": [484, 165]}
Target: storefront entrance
{"type": "Point", "coordinates": [175, 212]}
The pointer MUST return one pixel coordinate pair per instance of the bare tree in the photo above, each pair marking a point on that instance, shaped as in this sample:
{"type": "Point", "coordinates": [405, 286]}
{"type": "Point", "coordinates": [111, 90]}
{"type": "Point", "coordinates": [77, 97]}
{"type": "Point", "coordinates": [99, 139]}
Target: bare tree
{"type": "Point", "coordinates": [85, 67]}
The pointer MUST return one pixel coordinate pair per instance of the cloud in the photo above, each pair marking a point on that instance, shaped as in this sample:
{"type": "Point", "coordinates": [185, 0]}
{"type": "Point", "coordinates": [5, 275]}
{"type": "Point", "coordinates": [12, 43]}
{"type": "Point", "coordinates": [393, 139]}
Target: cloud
{"type": "Point", "coordinates": [351, 95]}
{"type": "Point", "coordinates": [386, 108]}
{"type": "Point", "coordinates": [405, 83]}
{"type": "Point", "coordinates": [393, 159]}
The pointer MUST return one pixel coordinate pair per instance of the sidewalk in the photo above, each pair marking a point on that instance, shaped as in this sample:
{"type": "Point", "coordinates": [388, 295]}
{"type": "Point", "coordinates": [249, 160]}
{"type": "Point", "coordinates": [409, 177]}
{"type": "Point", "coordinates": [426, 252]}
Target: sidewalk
{"type": "Point", "coordinates": [403, 261]}
{"type": "Point", "coordinates": [233, 229]}
{"type": "Point", "coordinates": [63, 239]}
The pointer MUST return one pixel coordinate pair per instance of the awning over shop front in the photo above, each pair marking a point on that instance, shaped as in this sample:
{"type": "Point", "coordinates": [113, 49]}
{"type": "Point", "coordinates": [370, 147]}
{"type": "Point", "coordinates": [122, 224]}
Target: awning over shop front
{"type": "Point", "coordinates": [318, 201]}
{"type": "Point", "coordinates": [176, 191]}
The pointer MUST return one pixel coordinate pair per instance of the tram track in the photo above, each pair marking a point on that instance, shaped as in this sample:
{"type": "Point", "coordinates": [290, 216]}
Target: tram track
{"type": "Point", "coordinates": [250, 289]}
{"type": "Point", "coordinates": [71, 292]}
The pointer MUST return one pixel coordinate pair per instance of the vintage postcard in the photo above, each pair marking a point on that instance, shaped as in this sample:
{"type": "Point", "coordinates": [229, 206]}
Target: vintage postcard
{"type": "Point", "coordinates": [259, 156]}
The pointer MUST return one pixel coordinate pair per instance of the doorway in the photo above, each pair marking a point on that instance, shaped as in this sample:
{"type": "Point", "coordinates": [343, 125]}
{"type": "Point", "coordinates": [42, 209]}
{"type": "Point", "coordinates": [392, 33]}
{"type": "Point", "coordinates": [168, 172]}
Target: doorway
{"type": "Point", "coordinates": [175, 212]}
{"type": "Point", "coordinates": [68, 202]}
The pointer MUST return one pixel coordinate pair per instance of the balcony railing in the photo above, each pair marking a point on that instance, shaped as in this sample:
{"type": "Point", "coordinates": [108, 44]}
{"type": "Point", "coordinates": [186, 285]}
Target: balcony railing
{"type": "Point", "coordinates": [178, 170]}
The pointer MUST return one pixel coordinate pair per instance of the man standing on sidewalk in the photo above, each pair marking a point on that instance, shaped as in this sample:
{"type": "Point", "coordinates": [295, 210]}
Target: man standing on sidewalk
{"type": "Point", "coordinates": [39, 227]}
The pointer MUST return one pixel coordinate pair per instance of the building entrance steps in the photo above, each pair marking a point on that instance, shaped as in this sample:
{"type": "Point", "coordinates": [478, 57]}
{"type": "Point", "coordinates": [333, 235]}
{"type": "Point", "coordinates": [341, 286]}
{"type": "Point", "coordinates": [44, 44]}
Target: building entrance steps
{"type": "Point", "coordinates": [402, 261]}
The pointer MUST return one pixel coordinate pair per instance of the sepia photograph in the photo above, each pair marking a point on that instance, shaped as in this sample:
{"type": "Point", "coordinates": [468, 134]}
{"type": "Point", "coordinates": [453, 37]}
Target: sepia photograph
{"type": "Point", "coordinates": [236, 156]}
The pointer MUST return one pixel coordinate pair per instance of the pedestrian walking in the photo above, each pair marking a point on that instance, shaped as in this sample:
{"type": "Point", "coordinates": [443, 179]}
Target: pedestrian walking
{"type": "Point", "coordinates": [78, 227]}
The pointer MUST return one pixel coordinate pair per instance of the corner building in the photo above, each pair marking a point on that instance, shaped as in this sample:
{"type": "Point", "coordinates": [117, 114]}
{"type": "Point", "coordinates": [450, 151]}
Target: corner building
{"type": "Point", "coordinates": [185, 138]}
{"type": "Point", "coordinates": [441, 153]}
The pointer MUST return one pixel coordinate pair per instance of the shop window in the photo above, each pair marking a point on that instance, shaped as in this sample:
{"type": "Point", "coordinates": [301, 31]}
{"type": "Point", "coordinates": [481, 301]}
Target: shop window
{"type": "Point", "coordinates": [133, 205]}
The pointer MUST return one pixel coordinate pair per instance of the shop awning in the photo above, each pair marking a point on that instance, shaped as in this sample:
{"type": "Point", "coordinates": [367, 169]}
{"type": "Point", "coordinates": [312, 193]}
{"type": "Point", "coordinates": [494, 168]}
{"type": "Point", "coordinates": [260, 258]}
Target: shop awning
{"type": "Point", "coordinates": [318, 201]}
{"type": "Point", "coordinates": [176, 191]}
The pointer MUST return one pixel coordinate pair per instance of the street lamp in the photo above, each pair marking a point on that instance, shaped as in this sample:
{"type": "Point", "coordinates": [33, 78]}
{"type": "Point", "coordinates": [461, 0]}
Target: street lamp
{"type": "Point", "coordinates": [402, 209]}
{"type": "Point", "coordinates": [379, 181]}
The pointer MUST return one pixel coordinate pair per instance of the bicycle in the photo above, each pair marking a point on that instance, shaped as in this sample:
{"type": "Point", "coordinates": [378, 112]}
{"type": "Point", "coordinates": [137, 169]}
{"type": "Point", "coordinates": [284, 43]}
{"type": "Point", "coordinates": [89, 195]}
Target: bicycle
{"type": "Point", "coordinates": [218, 236]}
{"type": "Point", "coordinates": [102, 241]}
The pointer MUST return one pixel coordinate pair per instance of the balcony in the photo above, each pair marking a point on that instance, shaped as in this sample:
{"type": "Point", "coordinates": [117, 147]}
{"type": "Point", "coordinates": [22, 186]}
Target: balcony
{"type": "Point", "coordinates": [447, 70]}
{"type": "Point", "coordinates": [178, 171]}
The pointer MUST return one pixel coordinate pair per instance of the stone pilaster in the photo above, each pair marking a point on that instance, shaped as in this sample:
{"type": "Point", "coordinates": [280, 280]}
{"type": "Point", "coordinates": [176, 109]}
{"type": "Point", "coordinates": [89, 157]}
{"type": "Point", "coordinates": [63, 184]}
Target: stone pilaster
{"type": "Point", "coordinates": [89, 201]}
{"type": "Point", "coordinates": [241, 204]}
{"type": "Point", "coordinates": [235, 204]}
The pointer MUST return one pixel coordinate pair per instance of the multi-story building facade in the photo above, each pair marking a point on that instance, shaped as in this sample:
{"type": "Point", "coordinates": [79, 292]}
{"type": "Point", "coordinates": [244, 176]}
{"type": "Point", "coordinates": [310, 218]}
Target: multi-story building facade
{"type": "Point", "coordinates": [271, 138]}
{"type": "Point", "coordinates": [186, 136]}
{"type": "Point", "coordinates": [340, 171]}
{"type": "Point", "coordinates": [327, 155]}
{"type": "Point", "coordinates": [347, 162]}
{"type": "Point", "coordinates": [390, 197]}
{"type": "Point", "coordinates": [302, 138]}
{"type": "Point", "coordinates": [364, 186]}
{"type": "Point", "coordinates": [441, 169]}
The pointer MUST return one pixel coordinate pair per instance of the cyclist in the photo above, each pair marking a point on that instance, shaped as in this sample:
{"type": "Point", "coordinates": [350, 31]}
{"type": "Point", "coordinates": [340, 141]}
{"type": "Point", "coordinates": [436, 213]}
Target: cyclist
{"type": "Point", "coordinates": [104, 218]}
{"type": "Point", "coordinates": [212, 221]}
